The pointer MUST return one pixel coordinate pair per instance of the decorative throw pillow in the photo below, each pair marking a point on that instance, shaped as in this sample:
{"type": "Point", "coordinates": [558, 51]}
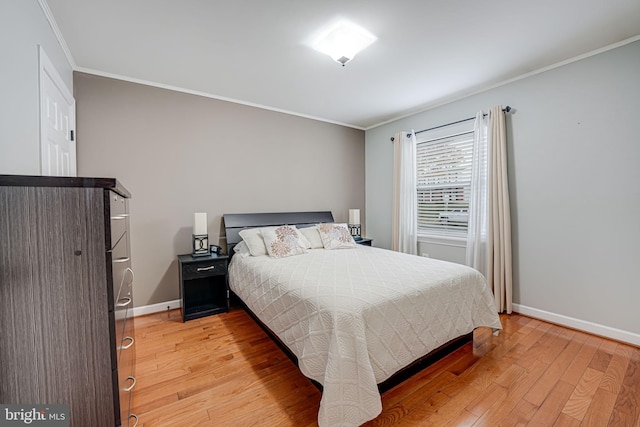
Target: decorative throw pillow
{"type": "Point", "coordinates": [254, 241]}
{"type": "Point", "coordinates": [313, 237]}
{"type": "Point", "coordinates": [283, 241]}
{"type": "Point", "coordinates": [336, 236]}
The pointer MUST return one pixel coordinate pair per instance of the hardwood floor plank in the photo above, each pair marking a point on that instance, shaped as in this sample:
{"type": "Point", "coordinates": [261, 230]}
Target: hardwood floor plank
{"type": "Point", "coordinates": [556, 345]}
{"type": "Point", "coordinates": [488, 370]}
{"type": "Point", "coordinates": [224, 371]}
{"type": "Point", "coordinates": [565, 420]}
{"type": "Point", "coordinates": [512, 374]}
{"type": "Point", "coordinates": [551, 408]}
{"type": "Point", "coordinates": [465, 360]}
{"type": "Point", "coordinates": [429, 388]}
{"type": "Point", "coordinates": [194, 384]}
{"type": "Point", "coordinates": [179, 413]}
{"type": "Point", "coordinates": [614, 375]}
{"type": "Point", "coordinates": [520, 415]}
{"type": "Point", "coordinates": [142, 404]}
{"type": "Point", "coordinates": [510, 344]}
{"type": "Point", "coordinates": [608, 346]}
{"type": "Point", "coordinates": [582, 394]}
{"type": "Point", "coordinates": [536, 335]}
{"type": "Point", "coordinates": [465, 419]}
{"type": "Point", "coordinates": [515, 393]}
{"type": "Point", "coordinates": [540, 390]}
{"type": "Point", "coordinates": [250, 407]}
{"type": "Point", "coordinates": [582, 360]}
{"type": "Point", "coordinates": [447, 365]}
{"type": "Point", "coordinates": [627, 407]}
{"type": "Point", "coordinates": [460, 397]}
{"type": "Point", "coordinates": [419, 415]}
{"type": "Point", "coordinates": [600, 360]}
{"type": "Point", "coordinates": [482, 403]}
{"type": "Point", "coordinates": [600, 409]}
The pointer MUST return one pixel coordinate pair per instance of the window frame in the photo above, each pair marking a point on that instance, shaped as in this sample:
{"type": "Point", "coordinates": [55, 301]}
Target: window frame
{"type": "Point", "coordinates": [461, 129]}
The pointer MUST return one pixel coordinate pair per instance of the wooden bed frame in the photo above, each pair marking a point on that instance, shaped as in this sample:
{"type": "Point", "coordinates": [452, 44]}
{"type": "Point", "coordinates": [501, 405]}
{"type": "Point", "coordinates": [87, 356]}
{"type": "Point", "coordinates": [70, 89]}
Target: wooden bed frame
{"type": "Point", "coordinates": [234, 223]}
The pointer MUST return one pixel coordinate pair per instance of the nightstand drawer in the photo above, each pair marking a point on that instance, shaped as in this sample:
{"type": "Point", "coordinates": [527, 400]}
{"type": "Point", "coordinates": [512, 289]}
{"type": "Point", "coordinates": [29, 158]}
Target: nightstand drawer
{"type": "Point", "coordinates": [210, 267]}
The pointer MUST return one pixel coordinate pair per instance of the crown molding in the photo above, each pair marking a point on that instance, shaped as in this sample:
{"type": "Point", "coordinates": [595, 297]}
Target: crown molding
{"type": "Point", "coordinates": [56, 30]}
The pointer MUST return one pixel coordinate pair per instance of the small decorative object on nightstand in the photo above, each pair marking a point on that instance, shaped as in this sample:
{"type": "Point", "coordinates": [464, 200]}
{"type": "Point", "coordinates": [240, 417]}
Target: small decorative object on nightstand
{"type": "Point", "coordinates": [200, 236]}
{"type": "Point", "coordinates": [354, 224]}
{"type": "Point", "coordinates": [204, 285]}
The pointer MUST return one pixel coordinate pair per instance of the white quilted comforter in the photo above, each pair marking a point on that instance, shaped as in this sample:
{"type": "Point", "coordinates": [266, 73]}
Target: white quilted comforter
{"type": "Point", "coordinates": [354, 317]}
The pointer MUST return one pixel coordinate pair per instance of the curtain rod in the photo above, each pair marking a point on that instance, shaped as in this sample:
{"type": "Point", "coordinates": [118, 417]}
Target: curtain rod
{"type": "Point", "coordinates": [505, 110]}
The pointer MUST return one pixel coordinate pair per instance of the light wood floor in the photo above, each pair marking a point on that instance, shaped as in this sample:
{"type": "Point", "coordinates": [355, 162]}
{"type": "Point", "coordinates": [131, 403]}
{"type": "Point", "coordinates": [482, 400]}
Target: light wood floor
{"type": "Point", "coordinates": [224, 371]}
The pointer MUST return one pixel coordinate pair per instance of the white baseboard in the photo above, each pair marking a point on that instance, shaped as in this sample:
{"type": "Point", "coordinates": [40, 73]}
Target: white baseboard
{"type": "Point", "coordinates": [155, 308]}
{"type": "Point", "coordinates": [582, 325]}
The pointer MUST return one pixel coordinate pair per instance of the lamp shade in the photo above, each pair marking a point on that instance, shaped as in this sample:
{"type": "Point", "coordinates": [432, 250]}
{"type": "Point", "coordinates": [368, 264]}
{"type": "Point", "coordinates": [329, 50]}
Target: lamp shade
{"type": "Point", "coordinates": [200, 223]}
{"type": "Point", "coordinates": [354, 216]}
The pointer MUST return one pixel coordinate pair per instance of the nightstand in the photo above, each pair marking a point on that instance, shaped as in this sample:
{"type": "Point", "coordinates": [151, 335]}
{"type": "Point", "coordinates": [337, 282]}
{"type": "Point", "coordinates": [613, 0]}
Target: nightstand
{"type": "Point", "coordinates": [204, 285]}
{"type": "Point", "coordinates": [364, 241]}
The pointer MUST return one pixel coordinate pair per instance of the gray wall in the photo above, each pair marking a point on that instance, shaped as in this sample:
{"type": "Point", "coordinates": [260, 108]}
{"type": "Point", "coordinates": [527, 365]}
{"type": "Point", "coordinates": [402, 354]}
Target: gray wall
{"type": "Point", "coordinates": [574, 174]}
{"type": "Point", "coordinates": [23, 26]}
{"type": "Point", "coordinates": [179, 154]}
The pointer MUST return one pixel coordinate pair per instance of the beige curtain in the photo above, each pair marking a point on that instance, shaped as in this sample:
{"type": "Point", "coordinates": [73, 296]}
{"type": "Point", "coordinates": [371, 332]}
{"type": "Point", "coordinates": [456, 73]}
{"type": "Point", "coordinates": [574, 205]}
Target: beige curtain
{"type": "Point", "coordinates": [500, 269]}
{"type": "Point", "coordinates": [405, 199]}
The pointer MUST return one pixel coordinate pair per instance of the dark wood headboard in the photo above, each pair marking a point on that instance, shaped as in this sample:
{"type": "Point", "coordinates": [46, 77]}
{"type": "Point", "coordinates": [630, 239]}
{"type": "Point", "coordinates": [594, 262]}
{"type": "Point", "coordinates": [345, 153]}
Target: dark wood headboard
{"type": "Point", "coordinates": [235, 223]}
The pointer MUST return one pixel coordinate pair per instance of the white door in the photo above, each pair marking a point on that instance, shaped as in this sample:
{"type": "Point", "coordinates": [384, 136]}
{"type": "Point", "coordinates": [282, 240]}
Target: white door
{"type": "Point", "coordinates": [57, 122]}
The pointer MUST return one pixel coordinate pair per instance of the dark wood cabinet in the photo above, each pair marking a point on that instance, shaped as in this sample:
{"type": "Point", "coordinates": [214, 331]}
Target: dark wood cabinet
{"type": "Point", "coordinates": [204, 285]}
{"type": "Point", "coordinates": [66, 297]}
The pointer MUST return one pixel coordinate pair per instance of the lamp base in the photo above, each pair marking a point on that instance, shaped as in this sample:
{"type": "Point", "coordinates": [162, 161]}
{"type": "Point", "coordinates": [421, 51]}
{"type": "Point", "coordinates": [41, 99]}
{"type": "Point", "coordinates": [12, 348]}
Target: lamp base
{"type": "Point", "coordinates": [354, 230]}
{"type": "Point", "coordinates": [200, 245]}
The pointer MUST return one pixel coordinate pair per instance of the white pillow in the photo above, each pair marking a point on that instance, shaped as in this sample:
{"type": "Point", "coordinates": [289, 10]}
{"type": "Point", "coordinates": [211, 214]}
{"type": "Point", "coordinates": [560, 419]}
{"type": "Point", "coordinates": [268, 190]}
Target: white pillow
{"type": "Point", "coordinates": [303, 240]}
{"type": "Point", "coordinates": [313, 237]}
{"type": "Point", "coordinates": [254, 241]}
{"type": "Point", "coordinates": [283, 241]}
{"type": "Point", "coordinates": [336, 236]}
{"type": "Point", "coordinates": [242, 249]}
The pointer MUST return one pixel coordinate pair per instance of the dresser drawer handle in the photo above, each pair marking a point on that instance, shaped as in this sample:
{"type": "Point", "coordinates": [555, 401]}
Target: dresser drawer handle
{"type": "Point", "coordinates": [136, 418]}
{"type": "Point", "coordinates": [132, 385]}
{"type": "Point", "coordinates": [128, 346]}
{"type": "Point", "coordinates": [124, 276]}
{"type": "Point", "coordinates": [206, 268]}
{"type": "Point", "coordinates": [123, 216]}
{"type": "Point", "coordinates": [122, 259]}
{"type": "Point", "coordinates": [124, 302]}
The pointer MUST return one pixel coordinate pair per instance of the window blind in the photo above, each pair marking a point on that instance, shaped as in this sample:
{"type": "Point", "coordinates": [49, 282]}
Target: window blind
{"type": "Point", "coordinates": [443, 183]}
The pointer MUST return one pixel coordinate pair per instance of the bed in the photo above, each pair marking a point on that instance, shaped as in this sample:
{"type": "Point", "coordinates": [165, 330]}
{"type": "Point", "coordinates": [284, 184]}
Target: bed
{"type": "Point", "coordinates": [355, 319]}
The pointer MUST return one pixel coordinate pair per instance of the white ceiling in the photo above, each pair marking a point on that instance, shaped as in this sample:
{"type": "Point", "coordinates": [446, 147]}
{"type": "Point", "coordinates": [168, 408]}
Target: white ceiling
{"type": "Point", "coordinates": [252, 51]}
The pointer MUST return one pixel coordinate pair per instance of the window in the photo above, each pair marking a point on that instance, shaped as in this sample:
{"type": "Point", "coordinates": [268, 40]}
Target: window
{"type": "Point", "coordinates": [443, 162]}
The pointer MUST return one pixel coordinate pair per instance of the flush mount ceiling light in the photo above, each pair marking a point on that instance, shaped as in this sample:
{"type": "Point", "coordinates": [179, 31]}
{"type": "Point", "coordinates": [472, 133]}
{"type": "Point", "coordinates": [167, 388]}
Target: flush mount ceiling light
{"type": "Point", "coordinates": [342, 41]}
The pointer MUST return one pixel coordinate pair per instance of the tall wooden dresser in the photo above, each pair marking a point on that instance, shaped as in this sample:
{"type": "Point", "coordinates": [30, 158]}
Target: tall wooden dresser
{"type": "Point", "coordinates": [66, 298]}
